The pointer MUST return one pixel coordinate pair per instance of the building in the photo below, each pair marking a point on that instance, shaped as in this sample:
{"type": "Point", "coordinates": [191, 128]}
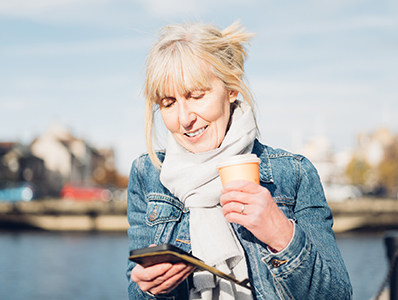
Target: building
{"type": "Point", "coordinates": [19, 165]}
{"type": "Point", "coordinates": [70, 159]}
{"type": "Point", "coordinates": [331, 167]}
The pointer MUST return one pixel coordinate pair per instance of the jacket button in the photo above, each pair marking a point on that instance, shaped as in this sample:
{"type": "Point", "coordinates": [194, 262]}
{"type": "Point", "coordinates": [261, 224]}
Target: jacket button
{"type": "Point", "coordinates": [276, 263]}
{"type": "Point", "coordinates": [153, 215]}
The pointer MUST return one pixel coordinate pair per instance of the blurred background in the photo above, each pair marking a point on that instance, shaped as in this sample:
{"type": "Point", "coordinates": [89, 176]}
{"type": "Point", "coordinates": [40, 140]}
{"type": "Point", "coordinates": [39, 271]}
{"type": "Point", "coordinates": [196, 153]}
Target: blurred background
{"type": "Point", "coordinates": [324, 77]}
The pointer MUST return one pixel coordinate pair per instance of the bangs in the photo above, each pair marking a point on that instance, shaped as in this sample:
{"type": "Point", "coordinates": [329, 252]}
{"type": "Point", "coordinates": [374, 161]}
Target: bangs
{"type": "Point", "coordinates": [179, 68]}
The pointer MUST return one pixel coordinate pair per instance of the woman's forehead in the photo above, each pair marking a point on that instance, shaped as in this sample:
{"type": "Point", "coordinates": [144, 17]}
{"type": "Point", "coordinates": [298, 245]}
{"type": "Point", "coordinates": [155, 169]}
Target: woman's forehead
{"type": "Point", "coordinates": [183, 72]}
{"type": "Point", "coordinates": [184, 83]}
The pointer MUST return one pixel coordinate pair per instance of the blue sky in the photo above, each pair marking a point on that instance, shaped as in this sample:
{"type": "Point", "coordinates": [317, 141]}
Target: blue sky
{"type": "Point", "coordinates": [315, 67]}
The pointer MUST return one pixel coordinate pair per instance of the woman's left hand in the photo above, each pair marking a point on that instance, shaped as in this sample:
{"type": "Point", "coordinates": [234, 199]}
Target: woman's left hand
{"type": "Point", "coordinates": [253, 207]}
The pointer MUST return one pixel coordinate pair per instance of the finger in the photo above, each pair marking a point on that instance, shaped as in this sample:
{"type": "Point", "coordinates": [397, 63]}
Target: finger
{"type": "Point", "coordinates": [149, 283]}
{"type": "Point", "coordinates": [237, 218]}
{"type": "Point", "coordinates": [173, 278]}
{"type": "Point", "coordinates": [141, 274]}
{"type": "Point", "coordinates": [139, 271]}
{"type": "Point", "coordinates": [235, 196]}
{"type": "Point", "coordinates": [171, 283]}
{"type": "Point", "coordinates": [237, 213]}
{"type": "Point", "coordinates": [242, 186]}
{"type": "Point", "coordinates": [235, 207]}
{"type": "Point", "coordinates": [183, 276]}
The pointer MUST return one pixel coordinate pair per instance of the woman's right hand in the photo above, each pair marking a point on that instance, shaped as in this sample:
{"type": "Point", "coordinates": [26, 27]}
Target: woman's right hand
{"type": "Point", "coordinates": [160, 278]}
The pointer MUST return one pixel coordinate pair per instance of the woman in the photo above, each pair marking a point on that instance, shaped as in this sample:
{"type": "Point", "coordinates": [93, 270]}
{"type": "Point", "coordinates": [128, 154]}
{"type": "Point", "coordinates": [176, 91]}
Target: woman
{"type": "Point", "coordinates": [278, 234]}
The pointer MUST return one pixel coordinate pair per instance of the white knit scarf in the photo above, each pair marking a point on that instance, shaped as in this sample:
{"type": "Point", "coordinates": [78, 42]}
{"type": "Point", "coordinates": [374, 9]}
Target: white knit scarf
{"type": "Point", "coordinates": [194, 179]}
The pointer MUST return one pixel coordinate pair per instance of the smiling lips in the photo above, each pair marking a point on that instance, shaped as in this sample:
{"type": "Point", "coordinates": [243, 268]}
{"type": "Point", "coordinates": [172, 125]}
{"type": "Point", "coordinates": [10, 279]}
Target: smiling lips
{"type": "Point", "coordinates": [195, 133]}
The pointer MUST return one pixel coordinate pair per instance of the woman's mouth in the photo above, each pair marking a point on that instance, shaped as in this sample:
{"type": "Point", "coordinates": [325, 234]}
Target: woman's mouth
{"type": "Point", "coordinates": [195, 133]}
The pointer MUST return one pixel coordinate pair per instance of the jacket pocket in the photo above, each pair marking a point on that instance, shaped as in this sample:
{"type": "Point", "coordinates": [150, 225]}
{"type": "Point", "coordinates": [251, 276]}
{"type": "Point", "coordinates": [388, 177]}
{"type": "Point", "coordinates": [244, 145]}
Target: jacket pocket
{"type": "Point", "coordinates": [286, 206]}
{"type": "Point", "coordinates": [163, 214]}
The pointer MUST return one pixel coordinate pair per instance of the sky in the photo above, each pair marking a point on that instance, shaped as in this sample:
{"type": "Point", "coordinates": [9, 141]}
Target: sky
{"type": "Point", "coordinates": [315, 68]}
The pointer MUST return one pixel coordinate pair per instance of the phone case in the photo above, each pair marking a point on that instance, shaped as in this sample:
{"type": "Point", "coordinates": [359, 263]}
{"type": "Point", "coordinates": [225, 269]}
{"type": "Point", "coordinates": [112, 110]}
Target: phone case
{"type": "Point", "coordinates": [158, 254]}
{"type": "Point", "coordinates": [169, 253]}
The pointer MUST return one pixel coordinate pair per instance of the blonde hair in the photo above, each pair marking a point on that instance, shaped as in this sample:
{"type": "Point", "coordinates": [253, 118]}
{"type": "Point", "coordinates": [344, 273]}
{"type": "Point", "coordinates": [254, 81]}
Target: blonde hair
{"type": "Point", "coordinates": [179, 56]}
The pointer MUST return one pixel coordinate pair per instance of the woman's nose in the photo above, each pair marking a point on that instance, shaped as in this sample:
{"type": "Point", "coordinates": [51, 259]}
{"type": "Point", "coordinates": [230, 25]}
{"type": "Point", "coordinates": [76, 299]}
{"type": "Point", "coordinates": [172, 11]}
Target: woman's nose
{"type": "Point", "coordinates": [186, 116]}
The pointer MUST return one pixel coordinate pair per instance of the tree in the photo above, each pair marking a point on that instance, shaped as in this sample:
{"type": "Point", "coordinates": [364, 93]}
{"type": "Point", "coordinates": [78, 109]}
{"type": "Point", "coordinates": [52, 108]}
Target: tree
{"type": "Point", "coordinates": [358, 171]}
{"type": "Point", "coordinates": [388, 169]}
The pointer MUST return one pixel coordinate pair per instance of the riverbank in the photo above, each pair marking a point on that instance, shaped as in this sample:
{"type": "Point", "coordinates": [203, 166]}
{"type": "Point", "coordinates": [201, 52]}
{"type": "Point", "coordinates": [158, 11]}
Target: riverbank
{"type": "Point", "coordinates": [61, 215]}
{"type": "Point", "coordinates": [365, 214]}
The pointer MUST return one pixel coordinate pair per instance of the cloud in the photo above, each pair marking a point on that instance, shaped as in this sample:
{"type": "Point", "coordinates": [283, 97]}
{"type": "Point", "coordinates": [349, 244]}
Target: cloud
{"type": "Point", "coordinates": [313, 27]}
{"type": "Point", "coordinates": [13, 105]}
{"type": "Point", "coordinates": [190, 10]}
{"type": "Point", "coordinates": [83, 83]}
{"type": "Point", "coordinates": [178, 8]}
{"type": "Point", "coordinates": [28, 7]}
{"type": "Point", "coordinates": [100, 13]}
{"type": "Point", "coordinates": [310, 89]}
{"type": "Point", "coordinates": [171, 8]}
{"type": "Point", "coordinates": [70, 48]}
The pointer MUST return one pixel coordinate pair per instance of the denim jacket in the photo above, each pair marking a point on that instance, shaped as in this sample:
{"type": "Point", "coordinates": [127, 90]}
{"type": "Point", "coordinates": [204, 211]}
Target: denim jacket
{"type": "Point", "coordinates": [310, 267]}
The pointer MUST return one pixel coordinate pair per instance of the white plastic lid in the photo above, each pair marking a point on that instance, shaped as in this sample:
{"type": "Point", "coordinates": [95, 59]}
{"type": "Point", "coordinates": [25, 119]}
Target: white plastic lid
{"type": "Point", "coordinates": [238, 159]}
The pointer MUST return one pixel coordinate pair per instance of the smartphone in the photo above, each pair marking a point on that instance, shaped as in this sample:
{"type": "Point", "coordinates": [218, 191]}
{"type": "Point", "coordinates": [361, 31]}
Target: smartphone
{"type": "Point", "coordinates": [150, 256]}
{"type": "Point", "coordinates": [162, 253]}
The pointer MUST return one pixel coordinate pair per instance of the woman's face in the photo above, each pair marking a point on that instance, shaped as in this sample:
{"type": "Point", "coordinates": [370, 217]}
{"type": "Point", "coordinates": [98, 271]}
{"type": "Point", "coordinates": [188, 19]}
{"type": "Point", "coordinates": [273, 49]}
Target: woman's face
{"type": "Point", "coordinates": [198, 121]}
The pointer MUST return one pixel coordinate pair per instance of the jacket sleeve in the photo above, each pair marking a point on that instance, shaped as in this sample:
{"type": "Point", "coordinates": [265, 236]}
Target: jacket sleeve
{"type": "Point", "coordinates": [311, 267]}
{"type": "Point", "coordinates": [139, 232]}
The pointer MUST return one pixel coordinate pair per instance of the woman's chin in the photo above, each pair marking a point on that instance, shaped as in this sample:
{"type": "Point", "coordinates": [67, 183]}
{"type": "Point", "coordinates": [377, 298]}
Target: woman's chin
{"type": "Point", "coordinates": [201, 148]}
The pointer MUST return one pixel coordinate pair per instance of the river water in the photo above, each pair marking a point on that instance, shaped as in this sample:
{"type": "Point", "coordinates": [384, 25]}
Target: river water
{"type": "Point", "coordinates": [44, 266]}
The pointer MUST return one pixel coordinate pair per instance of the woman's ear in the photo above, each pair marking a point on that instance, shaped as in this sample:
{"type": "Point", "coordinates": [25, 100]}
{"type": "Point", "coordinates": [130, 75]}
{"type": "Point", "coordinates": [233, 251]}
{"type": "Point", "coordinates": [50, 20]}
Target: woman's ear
{"type": "Point", "coordinates": [232, 96]}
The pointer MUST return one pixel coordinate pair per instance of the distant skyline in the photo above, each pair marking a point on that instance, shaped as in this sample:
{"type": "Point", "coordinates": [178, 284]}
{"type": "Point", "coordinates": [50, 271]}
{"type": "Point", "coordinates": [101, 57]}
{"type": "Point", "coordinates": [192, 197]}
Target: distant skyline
{"type": "Point", "coordinates": [315, 67]}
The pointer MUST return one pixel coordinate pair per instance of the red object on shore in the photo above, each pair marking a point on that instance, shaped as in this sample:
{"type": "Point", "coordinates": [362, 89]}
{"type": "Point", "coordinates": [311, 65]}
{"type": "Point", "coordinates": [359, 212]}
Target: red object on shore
{"type": "Point", "coordinates": [77, 192]}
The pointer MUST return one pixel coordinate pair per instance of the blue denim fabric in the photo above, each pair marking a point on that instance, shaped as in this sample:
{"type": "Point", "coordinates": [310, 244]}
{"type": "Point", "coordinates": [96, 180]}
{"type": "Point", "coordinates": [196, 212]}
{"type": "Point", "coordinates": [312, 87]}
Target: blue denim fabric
{"type": "Point", "coordinates": [311, 267]}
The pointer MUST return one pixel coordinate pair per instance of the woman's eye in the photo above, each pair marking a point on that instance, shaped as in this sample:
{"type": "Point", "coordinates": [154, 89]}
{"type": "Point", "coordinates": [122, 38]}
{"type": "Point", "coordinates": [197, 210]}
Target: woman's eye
{"type": "Point", "coordinates": [197, 95]}
{"type": "Point", "coordinates": [167, 102]}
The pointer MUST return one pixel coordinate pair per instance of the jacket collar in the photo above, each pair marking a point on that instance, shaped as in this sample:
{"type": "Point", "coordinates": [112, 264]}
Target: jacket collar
{"type": "Point", "coordinates": [265, 165]}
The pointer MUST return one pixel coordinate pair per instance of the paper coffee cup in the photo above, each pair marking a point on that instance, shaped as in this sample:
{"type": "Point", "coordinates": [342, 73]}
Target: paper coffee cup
{"type": "Point", "coordinates": [239, 167]}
